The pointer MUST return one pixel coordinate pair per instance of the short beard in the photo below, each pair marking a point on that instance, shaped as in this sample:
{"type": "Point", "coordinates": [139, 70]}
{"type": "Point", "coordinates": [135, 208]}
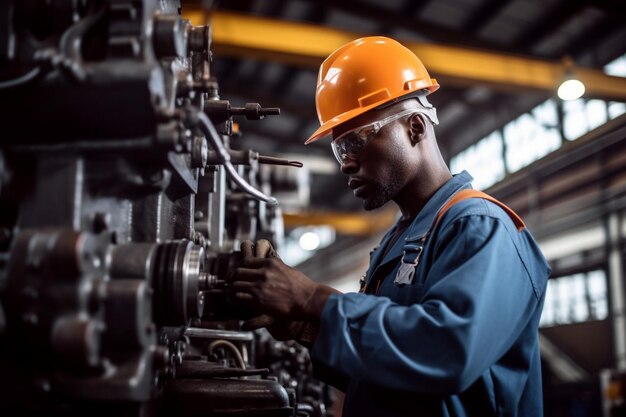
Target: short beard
{"type": "Point", "coordinates": [381, 195]}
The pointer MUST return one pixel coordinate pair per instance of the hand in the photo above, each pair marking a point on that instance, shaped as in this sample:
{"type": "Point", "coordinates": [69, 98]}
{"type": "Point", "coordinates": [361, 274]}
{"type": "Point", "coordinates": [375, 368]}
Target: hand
{"type": "Point", "coordinates": [270, 286]}
{"type": "Point", "coordinates": [279, 330]}
{"type": "Point", "coordinates": [301, 331]}
{"type": "Point", "coordinates": [262, 249]}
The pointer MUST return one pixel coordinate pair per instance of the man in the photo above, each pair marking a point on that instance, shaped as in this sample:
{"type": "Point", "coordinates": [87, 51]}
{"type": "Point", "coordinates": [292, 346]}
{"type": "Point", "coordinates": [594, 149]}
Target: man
{"type": "Point", "coordinates": [446, 323]}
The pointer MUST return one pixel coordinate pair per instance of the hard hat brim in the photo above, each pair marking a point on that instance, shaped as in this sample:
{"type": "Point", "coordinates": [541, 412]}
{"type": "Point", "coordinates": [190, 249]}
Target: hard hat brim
{"type": "Point", "coordinates": [326, 128]}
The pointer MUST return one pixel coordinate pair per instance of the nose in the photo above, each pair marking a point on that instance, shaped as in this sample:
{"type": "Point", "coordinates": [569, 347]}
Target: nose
{"type": "Point", "coordinates": [349, 166]}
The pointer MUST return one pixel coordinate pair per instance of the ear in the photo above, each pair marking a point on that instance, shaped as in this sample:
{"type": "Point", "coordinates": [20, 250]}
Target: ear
{"type": "Point", "coordinates": [417, 128]}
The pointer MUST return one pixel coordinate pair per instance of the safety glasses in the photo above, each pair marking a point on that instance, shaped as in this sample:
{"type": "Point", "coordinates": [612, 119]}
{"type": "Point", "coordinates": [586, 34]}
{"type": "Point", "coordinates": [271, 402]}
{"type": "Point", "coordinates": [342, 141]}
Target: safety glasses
{"type": "Point", "coordinates": [350, 144]}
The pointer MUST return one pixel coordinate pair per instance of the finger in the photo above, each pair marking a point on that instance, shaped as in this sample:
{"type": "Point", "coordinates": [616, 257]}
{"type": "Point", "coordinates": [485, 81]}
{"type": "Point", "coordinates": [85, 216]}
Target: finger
{"type": "Point", "coordinates": [253, 263]}
{"type": "Point", "coordinates": [246, 274]}
{"type": "Point", "coordinates": [263, 247]}
{"type": "Point", "coordinates": [257, 322]}
{"type": "Point", "coordinates": [247, 249]}
{"type": "Point", "coordinates": [245, 286]}
{"type": "Point", "coordinates": [244, 296]}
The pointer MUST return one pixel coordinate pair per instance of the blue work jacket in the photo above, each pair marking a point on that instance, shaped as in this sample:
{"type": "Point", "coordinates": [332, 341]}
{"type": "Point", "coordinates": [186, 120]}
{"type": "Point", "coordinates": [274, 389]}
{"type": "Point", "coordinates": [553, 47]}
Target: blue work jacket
{"type": "Point", "coordinates": [461, 338]}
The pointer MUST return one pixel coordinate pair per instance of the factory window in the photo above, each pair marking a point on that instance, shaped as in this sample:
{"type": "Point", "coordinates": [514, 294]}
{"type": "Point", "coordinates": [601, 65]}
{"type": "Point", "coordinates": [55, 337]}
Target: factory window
{"type": "Point", "coordinates": [575, 298]}
{"type": "Point", "coordinates": [535, 134]}
{"type": "Point", "coordinates": [617, 67]}
{"type": "Point", "coordinates": [581, 116]}
{"type": "Point", "coordinates": [483, 160]}
{"type": "Point", "coordinates": [616, 109]}
{"type": "Point", "coordinates": [532, 136]}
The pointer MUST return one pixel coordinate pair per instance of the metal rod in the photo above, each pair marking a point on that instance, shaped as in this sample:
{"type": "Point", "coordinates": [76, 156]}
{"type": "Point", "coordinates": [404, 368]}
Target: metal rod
{"type": "Point", "coordinates": [195, 332]}
{"type": "Point", "coordinates": [192, 370]}
{"type": "Point", "coordinates": [278, 161]}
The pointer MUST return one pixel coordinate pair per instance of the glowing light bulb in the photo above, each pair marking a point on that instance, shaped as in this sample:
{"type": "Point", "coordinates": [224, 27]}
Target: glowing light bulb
{"type": "Point", "coordinates": [571, 89]}
{"type": "Point", "coordinates": [309, 241]}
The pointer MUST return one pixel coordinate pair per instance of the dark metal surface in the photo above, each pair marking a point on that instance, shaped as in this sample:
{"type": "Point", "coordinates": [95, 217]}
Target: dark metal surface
{"type": "Point", "coordinates": [120, 213]}
{"type": "Point", "coordinates": [262, 397]}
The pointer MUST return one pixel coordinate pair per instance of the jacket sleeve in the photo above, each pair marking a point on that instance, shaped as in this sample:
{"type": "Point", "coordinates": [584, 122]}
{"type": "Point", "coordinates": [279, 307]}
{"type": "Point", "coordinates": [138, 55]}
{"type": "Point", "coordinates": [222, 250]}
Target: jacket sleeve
{"type": "Point", "coordinates": [479, 299]}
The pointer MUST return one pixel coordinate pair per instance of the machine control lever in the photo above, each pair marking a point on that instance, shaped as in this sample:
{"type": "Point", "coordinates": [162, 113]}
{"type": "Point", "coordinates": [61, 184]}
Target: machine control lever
{"type": "Point", "coordinates": [246, 157]}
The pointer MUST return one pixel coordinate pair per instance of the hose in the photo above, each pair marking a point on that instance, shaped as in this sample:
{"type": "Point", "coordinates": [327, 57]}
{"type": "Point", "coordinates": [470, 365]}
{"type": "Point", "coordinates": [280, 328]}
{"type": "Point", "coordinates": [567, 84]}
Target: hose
{"type": "Point", "coordinates": [233, 349]}
{"type": "Point", "coordinates": [24, 79]}
{"type": "Point", "coordinates": [68, 59]}
{"type": "Point", "coordinates": [213, 137]}
{"type": "Point", "coordinates": [71, 42]}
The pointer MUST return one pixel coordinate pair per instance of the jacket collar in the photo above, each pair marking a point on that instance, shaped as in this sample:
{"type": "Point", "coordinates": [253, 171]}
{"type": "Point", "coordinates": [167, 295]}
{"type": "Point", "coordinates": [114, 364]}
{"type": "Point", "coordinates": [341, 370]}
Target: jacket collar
{"type": "Point", "coordinates": [425, 218]}
{"type": "Point", "coordinates": [427, 215]}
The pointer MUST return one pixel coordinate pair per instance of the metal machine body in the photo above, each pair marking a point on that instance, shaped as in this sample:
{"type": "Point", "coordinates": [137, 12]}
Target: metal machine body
{"type": "Point", "coordinates": [121, 208]}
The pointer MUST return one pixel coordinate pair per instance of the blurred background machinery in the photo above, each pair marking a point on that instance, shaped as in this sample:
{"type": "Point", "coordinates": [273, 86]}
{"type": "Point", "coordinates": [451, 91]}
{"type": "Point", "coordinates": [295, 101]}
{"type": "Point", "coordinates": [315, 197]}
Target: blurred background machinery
{"type": "Point", "coordinates": [122, 207]}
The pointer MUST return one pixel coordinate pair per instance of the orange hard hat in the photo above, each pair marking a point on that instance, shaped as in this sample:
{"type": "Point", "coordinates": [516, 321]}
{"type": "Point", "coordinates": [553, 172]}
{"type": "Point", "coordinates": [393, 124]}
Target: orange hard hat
{"type": "Point", "coordinates": [364, 74]}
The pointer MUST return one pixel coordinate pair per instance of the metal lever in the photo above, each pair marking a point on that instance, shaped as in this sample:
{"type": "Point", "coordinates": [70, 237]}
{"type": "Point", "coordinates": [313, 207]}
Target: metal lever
{"type": "Point", "coordinates": [254, 111]}
{"type": "Point", "coordinates": [278, 161]}
{"type": "Point", "coordinates": [246, 157]}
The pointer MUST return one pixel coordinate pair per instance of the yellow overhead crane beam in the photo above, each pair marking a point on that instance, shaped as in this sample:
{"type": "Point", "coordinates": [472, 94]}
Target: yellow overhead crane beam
{"type": "Point", "coordinates": [365, 224]}
{"type": "Point", "coordinates": [308, 45]}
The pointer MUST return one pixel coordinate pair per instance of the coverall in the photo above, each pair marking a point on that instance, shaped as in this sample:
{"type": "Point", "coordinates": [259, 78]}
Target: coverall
{"type": "Point", "coordinates": [461, 339]}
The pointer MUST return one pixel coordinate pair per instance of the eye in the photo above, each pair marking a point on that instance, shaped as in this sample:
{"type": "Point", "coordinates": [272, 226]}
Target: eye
{"type": "Point", "coordinates": [366, 132]}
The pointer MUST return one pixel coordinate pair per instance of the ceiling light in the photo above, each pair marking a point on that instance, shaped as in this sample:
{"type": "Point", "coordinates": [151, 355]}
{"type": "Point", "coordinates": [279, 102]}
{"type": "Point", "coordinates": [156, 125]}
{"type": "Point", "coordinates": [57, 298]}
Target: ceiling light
{"type": "Point", "coordinates": [571, 89]}
{"type": "Point", "coordinates": [309, 241]}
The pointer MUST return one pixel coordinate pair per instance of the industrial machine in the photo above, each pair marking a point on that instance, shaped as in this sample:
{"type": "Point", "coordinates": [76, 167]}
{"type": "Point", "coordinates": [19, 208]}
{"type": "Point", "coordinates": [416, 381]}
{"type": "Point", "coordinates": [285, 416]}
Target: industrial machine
{"type": "Point", "coordinates": [122, 206]}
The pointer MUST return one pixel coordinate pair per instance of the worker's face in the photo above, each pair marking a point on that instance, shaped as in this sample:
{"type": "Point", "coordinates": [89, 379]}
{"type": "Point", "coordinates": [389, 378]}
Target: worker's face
{"type": "Point", "coordinates": [385, 164]}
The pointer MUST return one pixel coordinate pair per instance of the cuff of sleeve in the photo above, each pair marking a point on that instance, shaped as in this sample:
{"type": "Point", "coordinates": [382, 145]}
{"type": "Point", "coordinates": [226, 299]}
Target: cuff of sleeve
{"type": "Point", "coordinates": [315, 305]}
{"type": "Point", "coordinates": [327, 327]}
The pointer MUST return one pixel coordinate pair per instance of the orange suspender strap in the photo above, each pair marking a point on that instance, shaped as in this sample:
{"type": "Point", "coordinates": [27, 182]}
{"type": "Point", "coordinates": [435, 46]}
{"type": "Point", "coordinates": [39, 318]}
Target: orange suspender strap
{"type": "Point", "coordinates": [465, 194]}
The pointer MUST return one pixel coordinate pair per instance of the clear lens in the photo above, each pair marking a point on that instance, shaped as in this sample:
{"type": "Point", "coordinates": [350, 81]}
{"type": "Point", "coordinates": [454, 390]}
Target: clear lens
{"type": "Point", "coordinates": [350, 144]}
{"type": "Point", "coordinates": [367, 132]}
